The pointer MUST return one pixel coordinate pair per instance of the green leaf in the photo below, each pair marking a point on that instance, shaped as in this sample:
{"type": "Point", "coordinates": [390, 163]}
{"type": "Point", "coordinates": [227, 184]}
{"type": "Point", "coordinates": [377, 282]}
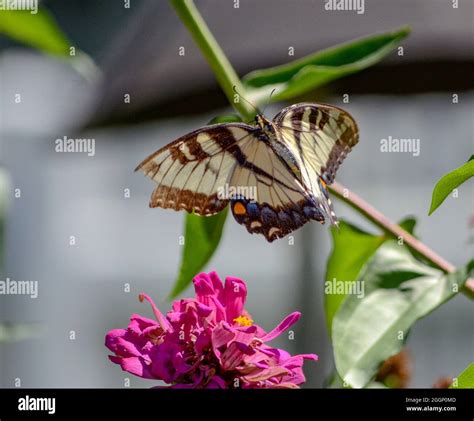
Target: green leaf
{"type": "Point", "coordinates": [352, 248]}
{"type": "Point", "coordinates": [36, 30]}
{"type": "Point", "coordinates": [19, 332]}
{"type": "Point", "coordinates": [300, 76]}
{"type": "Point", "coordinates": [231, 118]}
{"type": "Point", "coordinates": [41, 31]}
{"type": "Point", "coordinates": [202, 236]}
{"type": "Point", "coordinates": [449, 182]}
{"type": "Point", "coordinates": [465, 380]}
{"type": "Point", "coordinates": [408, 224]}
{"type": "Point", "coordinates": [398, 290]}
{"type": "Point", "coordinates": [336, 382]}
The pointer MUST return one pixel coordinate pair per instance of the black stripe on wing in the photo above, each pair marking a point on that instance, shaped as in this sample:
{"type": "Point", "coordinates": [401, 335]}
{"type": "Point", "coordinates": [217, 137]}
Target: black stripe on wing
{"type": "Point", "coordinates": [189, 170]}
{"type": "Point", "coordinates": [329, 131]}
{"type": "Point", "coordinates": [281, 204]}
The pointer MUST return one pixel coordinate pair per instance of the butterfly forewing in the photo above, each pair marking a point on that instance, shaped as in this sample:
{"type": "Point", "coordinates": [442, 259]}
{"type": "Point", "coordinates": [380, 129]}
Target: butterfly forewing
{"type": "Point", "coordinates": [190, 170]}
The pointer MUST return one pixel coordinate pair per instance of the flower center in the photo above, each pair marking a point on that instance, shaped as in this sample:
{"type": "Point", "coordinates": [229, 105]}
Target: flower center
{"type": "Point", "coordinates": [243, 321]}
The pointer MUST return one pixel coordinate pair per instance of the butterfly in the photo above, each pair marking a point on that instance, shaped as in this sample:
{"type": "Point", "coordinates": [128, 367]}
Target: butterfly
{"type": "Point", "coordinates": [273, 174]}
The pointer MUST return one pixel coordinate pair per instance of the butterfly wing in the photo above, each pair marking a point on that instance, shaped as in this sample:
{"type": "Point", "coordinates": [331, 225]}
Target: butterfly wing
{"type": "Point", "coordinates": [320, 137]}
{"type": "Point", "coordinates": [269, 199]}
{"type": "Point", "coordinates": [275, 186]}
{"type": "Point", "coordinates": [190, 170]}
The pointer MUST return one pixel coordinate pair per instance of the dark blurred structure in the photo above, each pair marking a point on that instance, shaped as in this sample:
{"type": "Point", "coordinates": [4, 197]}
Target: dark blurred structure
{"type": "Point", "coordinates": [144, 60]}
{"type": "Point", "coordinates": [137, 48]}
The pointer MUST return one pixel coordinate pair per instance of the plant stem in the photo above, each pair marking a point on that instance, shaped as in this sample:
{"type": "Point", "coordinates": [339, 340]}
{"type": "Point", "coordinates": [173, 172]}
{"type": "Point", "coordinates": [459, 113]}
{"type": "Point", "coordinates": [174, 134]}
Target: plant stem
{"type": "Point", "coordinates": [211, 50]}
{"type": "Point", "coordinates": [394, 230]}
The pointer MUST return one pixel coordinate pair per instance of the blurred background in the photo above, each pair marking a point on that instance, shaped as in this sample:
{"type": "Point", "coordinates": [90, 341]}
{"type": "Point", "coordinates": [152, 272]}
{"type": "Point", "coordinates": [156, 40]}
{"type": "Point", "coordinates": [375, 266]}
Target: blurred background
{"type": "Point", "coordinates": [120, 241]}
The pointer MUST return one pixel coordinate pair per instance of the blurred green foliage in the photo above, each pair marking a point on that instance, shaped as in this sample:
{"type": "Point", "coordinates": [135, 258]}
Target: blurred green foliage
{"type": "Point", "coordinates": [201, 238]}
{"type": "Point", "coordinates": [466, 379]}
{"type": "Point", "coordinates": [41, 32]}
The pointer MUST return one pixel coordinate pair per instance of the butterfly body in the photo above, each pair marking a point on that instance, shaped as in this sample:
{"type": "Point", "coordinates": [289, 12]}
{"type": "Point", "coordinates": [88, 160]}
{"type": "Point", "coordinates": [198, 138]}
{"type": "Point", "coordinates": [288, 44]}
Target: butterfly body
{"type": "Point", "coordinates": [286, 163]}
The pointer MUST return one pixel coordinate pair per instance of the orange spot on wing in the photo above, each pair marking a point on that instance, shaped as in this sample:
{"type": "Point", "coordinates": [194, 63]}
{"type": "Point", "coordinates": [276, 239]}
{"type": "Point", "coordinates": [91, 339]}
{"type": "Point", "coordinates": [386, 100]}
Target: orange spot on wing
{"type": "Point", "coordinates": [239, 209]}
{"type": "Point", "coordinates": [323, 183]}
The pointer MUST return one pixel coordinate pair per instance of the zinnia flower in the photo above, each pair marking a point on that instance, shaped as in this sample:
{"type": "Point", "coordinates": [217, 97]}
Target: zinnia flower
{"type": "Point", "coordinates": [207, 342]}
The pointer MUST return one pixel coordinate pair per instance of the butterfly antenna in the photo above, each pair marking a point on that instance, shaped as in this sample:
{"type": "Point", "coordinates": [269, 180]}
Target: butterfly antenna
{"type": "Point", "coordinates": [248, 102]}
{"type": "Point", "coordinates": [268, 101]}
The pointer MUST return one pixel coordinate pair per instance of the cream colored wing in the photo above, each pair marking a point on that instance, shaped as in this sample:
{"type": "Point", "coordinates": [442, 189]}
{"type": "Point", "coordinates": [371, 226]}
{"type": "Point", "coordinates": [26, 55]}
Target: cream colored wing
{"type": "Point", "coordinates": [320, 137]}
{"type": "Point", "coordinates": [191, 170]}
{"type": "Point", "coordinates": [269, 199]}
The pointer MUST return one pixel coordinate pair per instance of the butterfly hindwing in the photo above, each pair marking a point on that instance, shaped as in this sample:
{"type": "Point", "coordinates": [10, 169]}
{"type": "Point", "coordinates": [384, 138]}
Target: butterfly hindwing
{"type": "Point", "coordinates": [270, 199]}
{"type": "Point", "coordinates": [274, 222]}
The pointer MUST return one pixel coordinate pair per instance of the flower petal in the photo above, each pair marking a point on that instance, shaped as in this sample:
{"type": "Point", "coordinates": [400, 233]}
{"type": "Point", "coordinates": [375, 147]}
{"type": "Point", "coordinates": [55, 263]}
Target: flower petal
{"type": "Point", "coordinates": [133, 365]}
{"type": "Point", "coordinates": [235, 294]}
{"type": "Point", "coordinates": [222, 335]}
{"type": "Point", "coordinates": [203, 342]}
{"type": "Point", "coordinates": [289, 321]}
{"type": "Point", "coordinates": [216, 383]}
{"type": "Point", "coordinates": [207, 284]}
{"type": "Point", "coordinates": [139, 323]}
{"type": "Point", "coordinates": [208, 289]}
{"type": "Point", "coordinates": [266, 374]}
{"type": "Point", "coordinates": [234, 355]}
{"type": "Point", "coordinates": [284, 385]}
{"type": "Point", "coordinates": [162, 357]}
{"type": "Point", "coordinates": [112, 336]}
{"type": "Point", "coordinates": [127, 348]}
{"type": "Point", "coordinates": [165, 325]}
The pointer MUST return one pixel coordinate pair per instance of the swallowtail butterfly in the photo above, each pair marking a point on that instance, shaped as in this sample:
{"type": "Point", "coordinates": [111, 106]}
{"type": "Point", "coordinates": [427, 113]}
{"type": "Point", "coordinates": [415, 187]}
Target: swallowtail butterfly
{"type": "Point", "coordinates": [286, 163]}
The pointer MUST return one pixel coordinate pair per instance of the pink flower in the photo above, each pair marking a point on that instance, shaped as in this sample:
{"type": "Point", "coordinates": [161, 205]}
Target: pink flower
{"type": "Point", "coordinates": [207, 342]}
